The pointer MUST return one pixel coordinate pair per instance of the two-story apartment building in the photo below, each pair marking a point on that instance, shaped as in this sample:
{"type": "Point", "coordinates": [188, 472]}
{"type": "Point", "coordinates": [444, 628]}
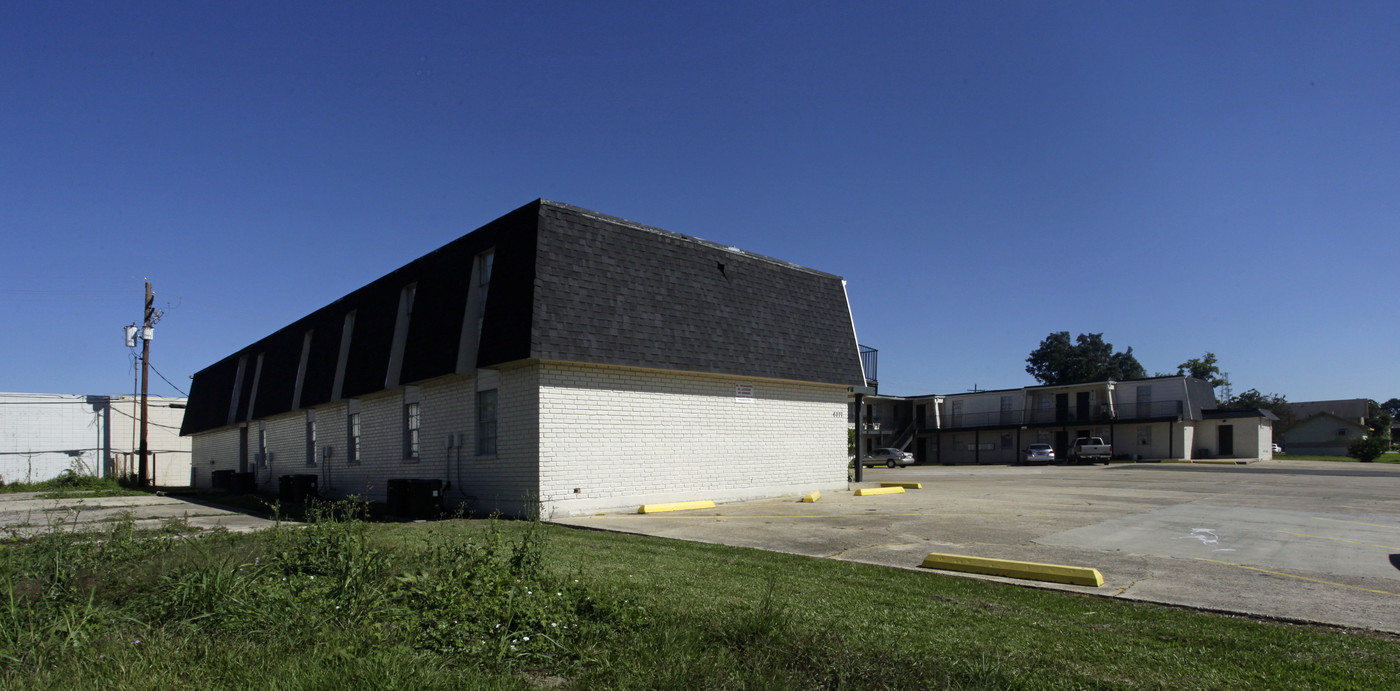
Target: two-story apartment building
{"type": "Point", "coordinates": [554, 359]}
{"type": "Point", "coordinates": [1172, 417]}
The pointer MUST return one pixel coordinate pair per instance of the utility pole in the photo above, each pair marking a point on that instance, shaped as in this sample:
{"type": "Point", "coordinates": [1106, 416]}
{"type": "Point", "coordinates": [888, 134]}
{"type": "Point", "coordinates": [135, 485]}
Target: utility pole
{"type": "Point", "coordinates": [147, 331]}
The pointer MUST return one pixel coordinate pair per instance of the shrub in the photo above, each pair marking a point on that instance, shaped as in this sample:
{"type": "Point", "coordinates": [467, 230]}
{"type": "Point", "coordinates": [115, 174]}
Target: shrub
{"type": "Point", "coordinates": [1368, 449]}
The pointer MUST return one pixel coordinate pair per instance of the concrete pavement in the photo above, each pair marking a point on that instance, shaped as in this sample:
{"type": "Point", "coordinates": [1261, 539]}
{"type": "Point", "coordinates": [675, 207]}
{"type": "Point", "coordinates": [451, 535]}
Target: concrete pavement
{"type": "Point", "coordinates": [1304, 540]}
{"type": "Point", "coordinates": [25, 514]}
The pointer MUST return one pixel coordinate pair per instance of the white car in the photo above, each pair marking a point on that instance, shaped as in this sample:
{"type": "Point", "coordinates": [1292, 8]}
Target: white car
{"type": "Point", "coordinates": [1278, 449]}
{"type": "Point", "coordinates": [890, 458]}
{"type": "Point", "coordinates": [1039, 453]}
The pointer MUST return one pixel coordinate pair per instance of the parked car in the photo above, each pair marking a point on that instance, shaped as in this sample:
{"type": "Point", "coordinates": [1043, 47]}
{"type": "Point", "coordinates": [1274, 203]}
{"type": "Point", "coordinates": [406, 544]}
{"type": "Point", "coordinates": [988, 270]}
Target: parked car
{"type": "Point", "coordinates": [890, 458]}
{"type": "Point", "coordinates": [1038, 453]}
{"type": "Point", "coordinates": [1090, 450]}
{"type": "Point", "coordinates": [1278, 449]}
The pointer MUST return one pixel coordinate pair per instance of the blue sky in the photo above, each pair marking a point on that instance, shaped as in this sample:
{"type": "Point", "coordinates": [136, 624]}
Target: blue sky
{"type": "Point", "coordinates": [1182, 177]}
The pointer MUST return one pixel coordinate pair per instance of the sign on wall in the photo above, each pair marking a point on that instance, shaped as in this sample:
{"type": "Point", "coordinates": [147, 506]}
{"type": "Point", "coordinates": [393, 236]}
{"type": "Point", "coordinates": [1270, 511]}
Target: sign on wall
{"type": "Point", "coordinates": [743, 393]}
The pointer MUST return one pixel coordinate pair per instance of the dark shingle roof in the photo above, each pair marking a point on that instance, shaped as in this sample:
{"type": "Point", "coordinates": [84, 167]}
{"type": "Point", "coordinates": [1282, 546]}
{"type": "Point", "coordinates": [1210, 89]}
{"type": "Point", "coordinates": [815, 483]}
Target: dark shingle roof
{"type": "Point", "coordinates": [567, 284]}
{"type": "Point", "coordinates": [614, 292]}
{"type": "Point", "coordinates": [1354, 409]}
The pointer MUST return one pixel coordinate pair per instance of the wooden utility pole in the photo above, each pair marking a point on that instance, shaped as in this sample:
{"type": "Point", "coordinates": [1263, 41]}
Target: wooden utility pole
{"type": "Point", "coordinates": [146, 332]}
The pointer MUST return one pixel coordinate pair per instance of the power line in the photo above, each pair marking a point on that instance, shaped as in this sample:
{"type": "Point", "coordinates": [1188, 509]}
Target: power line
{"type": "Point", "coordinates": [154, 424]}
{"type": "Point", "coordinates": [172, 385]}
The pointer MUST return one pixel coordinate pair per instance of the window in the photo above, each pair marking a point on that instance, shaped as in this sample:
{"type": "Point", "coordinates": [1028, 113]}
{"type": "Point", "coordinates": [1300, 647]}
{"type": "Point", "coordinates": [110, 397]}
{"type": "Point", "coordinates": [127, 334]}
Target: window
{"type": "Point", "coordinates": [1144, 400]}
{"type": "Point", "coordinates": [352, 441]}
{"type": "Point", "coordinates": [412, 424]}
{"type": "Point", "coordinates": [311, 437]}
{"type": "Point", "coordinates": [1006, 411]}
{"type": "Point", "coordinates": [486, 423]}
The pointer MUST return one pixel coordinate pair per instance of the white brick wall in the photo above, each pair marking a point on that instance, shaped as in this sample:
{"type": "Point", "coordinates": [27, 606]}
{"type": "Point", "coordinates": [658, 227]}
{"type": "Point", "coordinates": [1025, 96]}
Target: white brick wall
{"type": "Point", "coordinates": [623, 437]}
{"type": "Point", "coordinates": [447, 406]}
{"type": "Point", "coordinates": [216, 450]}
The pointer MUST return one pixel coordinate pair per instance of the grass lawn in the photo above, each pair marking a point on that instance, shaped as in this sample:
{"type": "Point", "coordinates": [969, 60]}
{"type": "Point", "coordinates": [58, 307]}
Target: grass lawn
{"type": "Point", "coordinates": [483, 604]}
{"type": "Point", "coordinates": [1392, 457]}
{"type": "Point", "coordinates": [72, 484]}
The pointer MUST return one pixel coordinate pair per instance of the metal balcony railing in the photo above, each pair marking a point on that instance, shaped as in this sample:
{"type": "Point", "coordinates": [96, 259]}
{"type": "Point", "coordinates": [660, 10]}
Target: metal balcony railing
{"type": "Point", "coordinates": [870, 361]}
{"type": "Point", "coordinates": [1071, 415]}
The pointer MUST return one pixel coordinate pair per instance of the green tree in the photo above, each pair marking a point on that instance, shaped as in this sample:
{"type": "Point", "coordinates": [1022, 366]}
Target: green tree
{"type": "Point", "coordinates": [1379, 420]}
{"type": "Point", "coordinates": [1087, 359]}
{"type": "Point", "coordinates": [1203, 368]}
{"type": "Point", "coordinates": [1390, 407]}
{"type": "Point", "coordinates": [1272, 402]}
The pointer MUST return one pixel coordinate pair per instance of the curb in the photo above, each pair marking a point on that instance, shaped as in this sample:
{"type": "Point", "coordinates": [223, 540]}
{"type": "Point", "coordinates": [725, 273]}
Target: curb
{"type": "Point", "coordinates": [869, 491]}
{"type": "Point", "coordinates": [1054, 573]}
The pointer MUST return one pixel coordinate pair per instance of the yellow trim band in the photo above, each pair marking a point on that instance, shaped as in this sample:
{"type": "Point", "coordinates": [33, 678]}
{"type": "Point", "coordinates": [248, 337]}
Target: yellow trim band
{"type": "Point", "coordinates": [676, 506]}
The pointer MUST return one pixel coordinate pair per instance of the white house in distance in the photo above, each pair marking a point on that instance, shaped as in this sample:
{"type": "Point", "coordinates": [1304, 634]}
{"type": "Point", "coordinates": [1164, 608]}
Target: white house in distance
{"type": "Point", "coordinates": [1156, 418]}
{"type": "Point", "coordinates": [554, 358]}
{"type": "Point", "coordinates": [42, 435]}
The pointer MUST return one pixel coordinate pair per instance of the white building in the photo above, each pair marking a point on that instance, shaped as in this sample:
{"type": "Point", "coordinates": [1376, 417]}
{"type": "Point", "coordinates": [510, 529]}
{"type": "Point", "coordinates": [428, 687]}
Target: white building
{"type": "Point", "coordinates": [554, 358]}
{"type": "Point", "coordinates": [43, 435]}
{"type": "Point", "coordinates": [1156, 418]}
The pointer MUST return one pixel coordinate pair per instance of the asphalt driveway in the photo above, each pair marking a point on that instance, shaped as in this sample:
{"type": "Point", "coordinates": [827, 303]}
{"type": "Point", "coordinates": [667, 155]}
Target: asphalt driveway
{"type": "Point", "coordinates": [1304, 540]}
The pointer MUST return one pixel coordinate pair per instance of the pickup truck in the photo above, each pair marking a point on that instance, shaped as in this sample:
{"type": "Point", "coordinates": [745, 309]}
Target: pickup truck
{"type": "Point", "coordinates": [1090, 450]}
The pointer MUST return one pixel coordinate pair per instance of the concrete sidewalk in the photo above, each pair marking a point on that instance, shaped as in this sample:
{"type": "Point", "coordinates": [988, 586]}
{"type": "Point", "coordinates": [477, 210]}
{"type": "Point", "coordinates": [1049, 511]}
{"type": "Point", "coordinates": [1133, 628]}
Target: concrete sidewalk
{"type": "Point", "coordinates": [25, 514]}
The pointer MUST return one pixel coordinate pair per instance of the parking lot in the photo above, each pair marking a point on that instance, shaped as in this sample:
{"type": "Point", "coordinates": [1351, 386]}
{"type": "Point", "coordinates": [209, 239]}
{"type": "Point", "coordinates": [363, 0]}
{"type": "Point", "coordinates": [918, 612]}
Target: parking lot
{"type": "Point", "coordinates": [1305, 540]}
